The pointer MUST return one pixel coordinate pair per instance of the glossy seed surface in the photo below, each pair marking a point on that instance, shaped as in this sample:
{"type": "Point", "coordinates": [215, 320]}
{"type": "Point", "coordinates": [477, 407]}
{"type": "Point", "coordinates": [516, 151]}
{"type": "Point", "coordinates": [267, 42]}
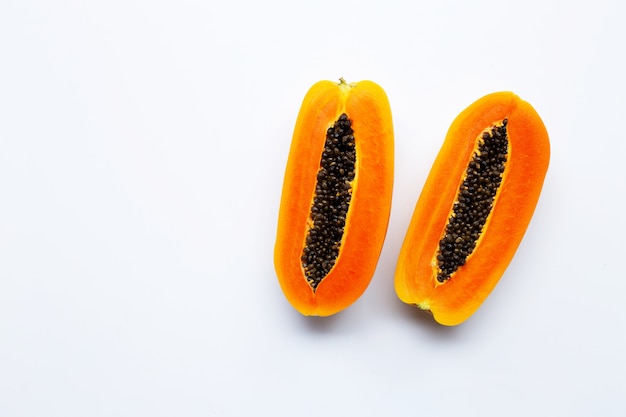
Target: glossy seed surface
{"type": "Point", "coordinates": [474, 200]}
{"type": "Point", "coordinates": [331, 201]}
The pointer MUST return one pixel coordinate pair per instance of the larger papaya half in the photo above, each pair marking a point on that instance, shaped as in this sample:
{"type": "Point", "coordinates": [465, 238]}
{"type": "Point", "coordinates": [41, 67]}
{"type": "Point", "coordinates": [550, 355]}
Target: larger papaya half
{"type": "Point", "coordinates": [336, 196]}
{"type": "Point", "coordinates": [474, 208]}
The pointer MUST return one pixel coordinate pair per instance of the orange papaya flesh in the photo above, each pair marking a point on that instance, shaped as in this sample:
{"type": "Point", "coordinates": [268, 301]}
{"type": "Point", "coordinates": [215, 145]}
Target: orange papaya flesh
{"type": "Point", "coordinates": [336, 196]}
{"type": "Point", "coordinates": [475, 207]}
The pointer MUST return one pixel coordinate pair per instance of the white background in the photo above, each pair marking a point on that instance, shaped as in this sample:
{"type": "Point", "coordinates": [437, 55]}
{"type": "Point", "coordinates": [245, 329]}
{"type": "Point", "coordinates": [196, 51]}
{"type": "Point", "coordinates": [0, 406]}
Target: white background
{"type": "Point", "coordinates": [142, 149]}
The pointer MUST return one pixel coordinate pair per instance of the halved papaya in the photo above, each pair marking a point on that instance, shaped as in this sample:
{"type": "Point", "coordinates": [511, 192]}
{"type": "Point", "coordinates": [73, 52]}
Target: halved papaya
{"type": "Point", "coordinates": [336, 196]}
{"type": "Point", "coordinates": [475, 207]}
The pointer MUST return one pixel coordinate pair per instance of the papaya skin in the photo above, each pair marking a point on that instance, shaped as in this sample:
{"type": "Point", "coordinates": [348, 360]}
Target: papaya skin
{"type": "Point", "coordinates": [453, 301]}
{"type": "Point", "coordinates": [367, 106]}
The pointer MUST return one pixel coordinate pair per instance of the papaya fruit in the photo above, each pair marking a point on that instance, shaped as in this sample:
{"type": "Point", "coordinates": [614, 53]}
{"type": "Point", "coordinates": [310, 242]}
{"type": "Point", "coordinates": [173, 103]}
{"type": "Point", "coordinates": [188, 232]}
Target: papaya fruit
{"type": "Point", "coordinates": [336, 196]}
{"type": "Point", "coordinates": [474, 208]}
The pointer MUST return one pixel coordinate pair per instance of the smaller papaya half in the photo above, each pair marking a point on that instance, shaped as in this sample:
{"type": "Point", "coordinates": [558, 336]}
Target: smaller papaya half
{"type": "Point", "coordinates": [336, 196]}
{"type": "Point", "coordinates": [474, 208]}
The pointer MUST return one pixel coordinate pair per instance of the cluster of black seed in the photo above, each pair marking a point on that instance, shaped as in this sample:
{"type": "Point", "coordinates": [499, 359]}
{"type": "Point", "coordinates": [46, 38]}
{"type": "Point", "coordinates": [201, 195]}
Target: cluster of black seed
{"type": "Point", "coordinates": [331, 201]}
{"type": "Point", "coordinates": [474, 201]}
